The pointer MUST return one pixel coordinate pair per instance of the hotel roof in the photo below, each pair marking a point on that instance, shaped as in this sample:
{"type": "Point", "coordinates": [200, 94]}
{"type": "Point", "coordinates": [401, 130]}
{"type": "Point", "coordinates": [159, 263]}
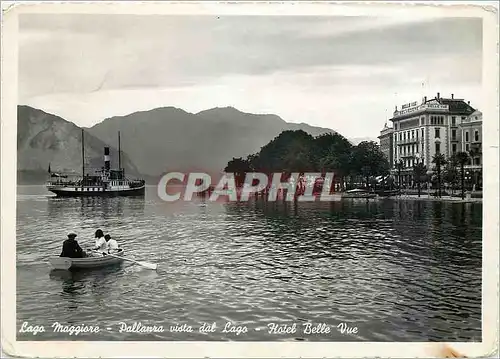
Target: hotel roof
{"type": "Point", "coordinates": [458, 106]}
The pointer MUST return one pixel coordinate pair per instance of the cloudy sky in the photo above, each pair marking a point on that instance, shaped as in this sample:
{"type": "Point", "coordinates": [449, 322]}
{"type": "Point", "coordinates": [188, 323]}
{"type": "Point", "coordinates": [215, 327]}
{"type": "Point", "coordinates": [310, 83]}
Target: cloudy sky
{"type": "Point", "coordinates": [345, 73]}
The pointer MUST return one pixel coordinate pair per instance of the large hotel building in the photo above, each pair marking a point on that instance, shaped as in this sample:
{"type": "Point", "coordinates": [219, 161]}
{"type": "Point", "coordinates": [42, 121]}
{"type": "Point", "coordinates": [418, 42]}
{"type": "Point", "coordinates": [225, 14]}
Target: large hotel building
{"type": "Point", "coordinates": [437, 125]}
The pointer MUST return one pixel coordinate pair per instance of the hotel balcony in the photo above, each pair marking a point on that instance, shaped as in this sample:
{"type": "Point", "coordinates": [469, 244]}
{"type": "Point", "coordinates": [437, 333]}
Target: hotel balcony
{"type": "Point", "coordinates": [454, 139]}
{"type": "Point", "coordinates": [408, 155]}
{"type": "Point", "coordinates": [408, 141]}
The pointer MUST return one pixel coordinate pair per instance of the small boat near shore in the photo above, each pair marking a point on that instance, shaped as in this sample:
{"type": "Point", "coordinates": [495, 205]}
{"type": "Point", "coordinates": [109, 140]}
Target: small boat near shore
{"type": "Point", "coordinates": [388, 193]}
{"type": "Point", "coordinates": [87, 262]}
{"type": "Point", "coordinates": [358, 193]}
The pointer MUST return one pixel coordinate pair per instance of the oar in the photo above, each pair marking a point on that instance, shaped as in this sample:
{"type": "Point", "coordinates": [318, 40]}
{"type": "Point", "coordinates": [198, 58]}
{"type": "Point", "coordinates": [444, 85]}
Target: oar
{"type": "Point", "coordinates": [147, 265]}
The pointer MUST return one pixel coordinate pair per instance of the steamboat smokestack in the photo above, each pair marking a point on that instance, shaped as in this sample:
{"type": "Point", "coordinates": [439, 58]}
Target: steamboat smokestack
{"type": "Point", "coordinates": [106, 159]}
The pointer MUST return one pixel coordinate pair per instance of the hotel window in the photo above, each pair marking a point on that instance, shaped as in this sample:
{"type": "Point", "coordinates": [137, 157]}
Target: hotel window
{"type": "Point", "coordinates": [476, 135]}
{"type": "Point", "coordinates": [466, 147]}
{"type": "Point", "coordinates": [422, 121]}
{"type": "Point", "coordinates": [454, 148]}
{"type": "Point", "coordinates": [437, 132]}
{"type": "Point", "coordinates": [453, 120]}
{"type": "Point", "coordinates": [412, 134]}
{"type": "Point", "coordinates": [466, 136]}
{"type": "Point", "coordinates": [395, 127]}
{"type": "Point", "coordinates": [438, 147]}
{"type": "Point", "coordinates": [477, 161]}
{"type": "Point", "coordinates": [400, 136]}
{"type": "Point", "coordinates": [453, 135]}
{"type": "Point", "coordinates": [442, 120]}
{"type": "Point", "coordinates": [422, 147]}
{"type": "Point", "coordinates": [422, 133]}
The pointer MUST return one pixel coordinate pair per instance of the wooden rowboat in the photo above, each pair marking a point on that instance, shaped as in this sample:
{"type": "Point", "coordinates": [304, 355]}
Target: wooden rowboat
{"type": "Point", "coordinates": [86, 262]}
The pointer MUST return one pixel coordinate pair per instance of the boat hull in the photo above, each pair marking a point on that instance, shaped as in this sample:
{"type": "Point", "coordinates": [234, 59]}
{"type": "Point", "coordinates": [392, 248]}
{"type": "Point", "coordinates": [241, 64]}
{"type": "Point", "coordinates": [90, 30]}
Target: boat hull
{"type": "Point", "coordinates": [72, 192]}
{"type": "Point", "coordinates": [359, 193]}
{"type": "Point", "coordinates": [367, 196]}
{"type": "Point", "coordinates": [390, 193]}
{"type": "Point", "coordinates": [85, 263]}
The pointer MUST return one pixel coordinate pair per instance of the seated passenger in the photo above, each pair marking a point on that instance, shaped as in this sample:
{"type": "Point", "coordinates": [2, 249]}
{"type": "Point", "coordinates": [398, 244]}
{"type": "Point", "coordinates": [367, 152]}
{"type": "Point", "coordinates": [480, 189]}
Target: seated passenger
{"type": "Point", "coordinates": [112, 245]}
{"type": "Point", "coordinates": [100, 243]}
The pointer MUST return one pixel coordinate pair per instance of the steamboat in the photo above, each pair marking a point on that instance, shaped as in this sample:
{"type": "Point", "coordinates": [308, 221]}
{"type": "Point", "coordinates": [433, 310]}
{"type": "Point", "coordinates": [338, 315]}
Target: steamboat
{"type": "Point", "coordinates": [102, 182]}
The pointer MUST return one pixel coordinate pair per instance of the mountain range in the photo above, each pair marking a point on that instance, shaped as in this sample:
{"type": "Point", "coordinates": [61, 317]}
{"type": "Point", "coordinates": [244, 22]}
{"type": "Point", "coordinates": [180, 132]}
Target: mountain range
{"type": "Point", "coordinates": [152, 142]}
{"type": "Point", "coordinates": [169, 139]}
{"type": "Point", "coordinates": [44, 139]}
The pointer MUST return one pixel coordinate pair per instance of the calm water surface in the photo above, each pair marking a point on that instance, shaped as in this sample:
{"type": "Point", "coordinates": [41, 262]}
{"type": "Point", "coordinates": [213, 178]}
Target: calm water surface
{"type": "Point", "coordinates": [397, 270]}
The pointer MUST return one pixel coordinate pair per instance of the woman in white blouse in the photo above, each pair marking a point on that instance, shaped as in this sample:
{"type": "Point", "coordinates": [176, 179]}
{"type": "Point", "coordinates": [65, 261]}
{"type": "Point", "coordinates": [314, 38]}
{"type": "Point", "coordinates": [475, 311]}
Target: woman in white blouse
{"type": "Point", "coordinates": [100, 242]}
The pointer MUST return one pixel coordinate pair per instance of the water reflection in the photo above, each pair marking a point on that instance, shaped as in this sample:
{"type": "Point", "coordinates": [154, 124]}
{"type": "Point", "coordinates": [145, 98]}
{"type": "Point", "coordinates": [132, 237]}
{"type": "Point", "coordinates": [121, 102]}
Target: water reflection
{"type": "Point", "coordinates": [76, 283]}
{"type": "Point", "coordinates": [409, 254]}
{"type": "Point", "coordinates": [399, 270]}
{"type": "Point", "coordinates": [106, 207]}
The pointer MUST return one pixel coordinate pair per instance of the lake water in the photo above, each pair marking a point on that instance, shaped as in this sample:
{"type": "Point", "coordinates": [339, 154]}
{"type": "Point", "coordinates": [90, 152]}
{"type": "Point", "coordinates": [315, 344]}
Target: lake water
{"type": "Point", "coordinates": [396, 270]}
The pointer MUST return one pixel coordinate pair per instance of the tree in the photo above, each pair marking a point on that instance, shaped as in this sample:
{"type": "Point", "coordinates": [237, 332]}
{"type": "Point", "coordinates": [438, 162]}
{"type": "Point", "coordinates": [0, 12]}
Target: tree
{"type": "Point", "coordinates": [474, 152]}
{"type": "Point", "coordinates": [332, 153]}
{"type": "Point", "coordinates": [462, 159]}
{"type": "Point", "coordinates": [399, 165]}
{"type": "Point", "coordinates": [419, 172]}
{"type": "Point", "coordinates": [239, 167]}
{"type": "Point", "coordinates": [368, 160]}
{"type": "Point", "coordinates": [439, 160]}
{"type": "Point", "coordinates": [290, 151]}
{"type": "Point", "coordinates": [450, 174]}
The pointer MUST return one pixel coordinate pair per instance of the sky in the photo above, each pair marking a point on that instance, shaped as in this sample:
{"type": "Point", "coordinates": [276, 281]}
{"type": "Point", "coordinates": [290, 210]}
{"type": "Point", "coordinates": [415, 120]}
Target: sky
{"type": "Point", "coordinates": [343, 73]}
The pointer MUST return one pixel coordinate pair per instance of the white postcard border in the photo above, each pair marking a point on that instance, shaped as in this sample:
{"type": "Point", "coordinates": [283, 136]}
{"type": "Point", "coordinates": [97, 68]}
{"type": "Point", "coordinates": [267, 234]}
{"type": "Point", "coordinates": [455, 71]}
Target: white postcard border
{"type": "Point", "coordinates": [251, 349]}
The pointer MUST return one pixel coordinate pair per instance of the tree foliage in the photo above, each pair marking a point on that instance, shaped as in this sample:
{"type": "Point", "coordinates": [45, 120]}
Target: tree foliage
{"type": "Point", "coordinates": [439, 161]}
{"type": "Point", "coordinates": [297, 151]}
{"type": "Point", "coordinates": [419, 174]}
{"type": "Point", "coordinates": [462, 158]}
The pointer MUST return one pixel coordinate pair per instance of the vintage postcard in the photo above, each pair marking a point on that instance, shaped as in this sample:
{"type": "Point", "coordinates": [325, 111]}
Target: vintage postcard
{"type": "Point", "coordinates": [213, 179]}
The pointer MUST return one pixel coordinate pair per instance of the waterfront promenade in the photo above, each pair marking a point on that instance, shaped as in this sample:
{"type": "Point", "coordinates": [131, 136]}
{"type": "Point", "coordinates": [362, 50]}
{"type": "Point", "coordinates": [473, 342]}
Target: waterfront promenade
{"type": "Point", "coordinates": [427, 197]}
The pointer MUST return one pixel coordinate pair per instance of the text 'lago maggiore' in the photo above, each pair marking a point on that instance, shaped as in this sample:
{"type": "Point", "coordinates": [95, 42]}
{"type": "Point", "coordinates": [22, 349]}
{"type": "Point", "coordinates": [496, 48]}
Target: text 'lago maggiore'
{"type": "Point", "coordinates": [229, 328]}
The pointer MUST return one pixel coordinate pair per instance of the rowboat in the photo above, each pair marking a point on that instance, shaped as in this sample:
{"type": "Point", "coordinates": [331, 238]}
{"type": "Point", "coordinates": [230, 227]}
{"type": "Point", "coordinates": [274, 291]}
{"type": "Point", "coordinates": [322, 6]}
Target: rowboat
{"type": "Point", "coordinates": [358, 193]}
{"type": "Point", "coordinates": [87, 262]}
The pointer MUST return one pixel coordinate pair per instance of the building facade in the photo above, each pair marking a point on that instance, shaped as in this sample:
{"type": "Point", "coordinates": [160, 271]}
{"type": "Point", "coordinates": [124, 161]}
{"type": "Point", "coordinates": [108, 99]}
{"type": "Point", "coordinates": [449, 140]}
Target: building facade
{"type": "Point", "coordinates": [471, 142]}
{"type": "Point", "coordinates": [386, 143]}
{"type": "Point", "coordinates": [439, 125]}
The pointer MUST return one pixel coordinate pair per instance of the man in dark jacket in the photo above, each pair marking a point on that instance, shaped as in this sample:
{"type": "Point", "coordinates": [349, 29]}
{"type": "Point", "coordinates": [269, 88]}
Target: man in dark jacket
{"type": "Point", "coordinates": [71, 248]}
